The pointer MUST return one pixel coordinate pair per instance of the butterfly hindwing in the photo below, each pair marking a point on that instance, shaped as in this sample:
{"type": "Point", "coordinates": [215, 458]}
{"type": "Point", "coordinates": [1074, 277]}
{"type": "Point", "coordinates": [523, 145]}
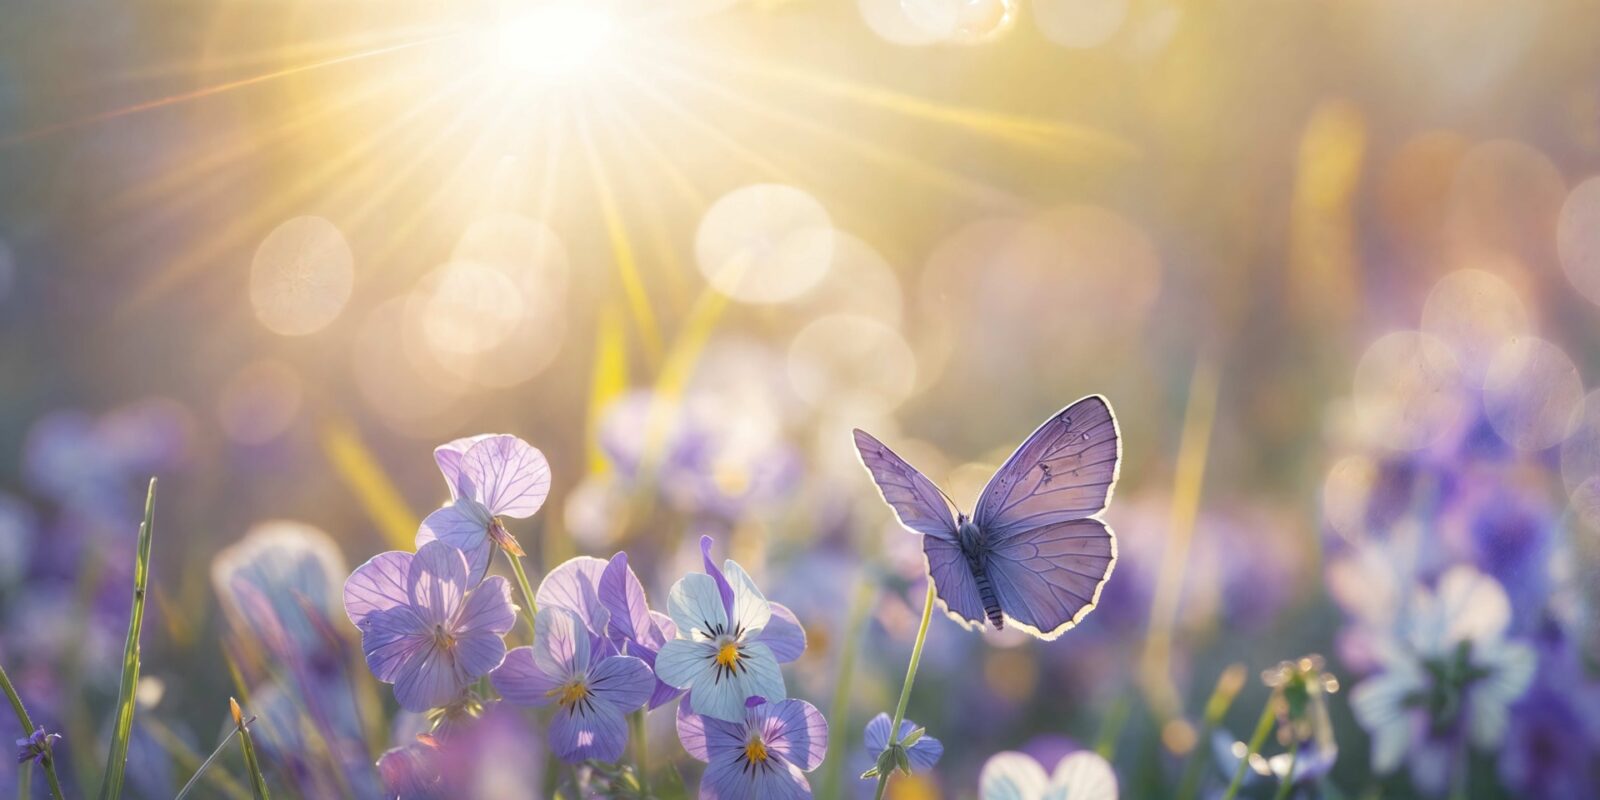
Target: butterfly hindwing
{"type": "Point", "coordinates": [1065, 470]}
{"type": "Point", "coordinates": [913, 497]}
{"type": "Point", "coordinates": [1048, 578]}
{"type": "Point", "coordinates": [953, 579]}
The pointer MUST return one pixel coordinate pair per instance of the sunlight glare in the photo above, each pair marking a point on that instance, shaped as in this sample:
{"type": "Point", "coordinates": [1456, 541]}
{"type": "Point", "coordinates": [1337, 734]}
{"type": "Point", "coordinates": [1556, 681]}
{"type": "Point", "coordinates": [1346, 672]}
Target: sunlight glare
{"type": "Point", "coordinates": [554, 42]}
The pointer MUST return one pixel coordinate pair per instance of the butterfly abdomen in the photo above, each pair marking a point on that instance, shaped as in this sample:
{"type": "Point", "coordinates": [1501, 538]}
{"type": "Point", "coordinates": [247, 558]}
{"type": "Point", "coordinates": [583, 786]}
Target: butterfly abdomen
{"type": "Point", "coordinates": [972, 546]}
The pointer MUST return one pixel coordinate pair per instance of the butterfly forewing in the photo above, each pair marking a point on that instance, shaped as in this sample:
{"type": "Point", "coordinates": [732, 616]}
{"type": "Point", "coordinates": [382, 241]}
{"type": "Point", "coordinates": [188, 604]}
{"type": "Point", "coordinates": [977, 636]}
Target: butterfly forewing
{"type": "Point", "coordinates": [1064, 471]}
{"type": "Point", "coordinates": [952, 577]}
{"type": "Point", "coordinates": [913, 497]}
{"type": "Point", "coordinates": [1047, 578]}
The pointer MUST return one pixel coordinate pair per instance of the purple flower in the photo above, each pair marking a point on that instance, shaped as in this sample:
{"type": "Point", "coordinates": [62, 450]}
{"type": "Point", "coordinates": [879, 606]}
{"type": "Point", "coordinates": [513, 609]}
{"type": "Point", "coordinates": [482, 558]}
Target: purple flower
{"type": "Point", "coordinates": [422, 628]}
{"type": "Point", "coordinates": [610, 601]}
{"type": "Point", "coordinates": [730, 640]}
{"type": "Point", "coordinates": [919, 756]}
{"type": "Point", "coordinates": [764, 753]}
{"type": "Point", "coordinates": [593, 688]}
{"type": "Point", "coordinates": [36, 747]}
{"type": "Point", "coordinates": [490, 476]}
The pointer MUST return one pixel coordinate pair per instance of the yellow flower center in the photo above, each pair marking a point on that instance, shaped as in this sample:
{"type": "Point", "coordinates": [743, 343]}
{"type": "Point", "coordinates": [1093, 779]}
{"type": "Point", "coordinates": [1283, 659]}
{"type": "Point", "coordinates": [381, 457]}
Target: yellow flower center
{"type": "Point", "coordinates": [755, 751]}
{"type": "Point", "coordinates": [728, 655]}
{"type": "Point", "coordinates": [569, 695]}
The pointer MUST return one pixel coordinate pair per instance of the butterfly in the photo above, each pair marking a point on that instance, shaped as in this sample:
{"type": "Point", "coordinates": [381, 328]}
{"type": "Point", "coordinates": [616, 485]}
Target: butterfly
{"type": "Point", "coordinates": [1034, 552]}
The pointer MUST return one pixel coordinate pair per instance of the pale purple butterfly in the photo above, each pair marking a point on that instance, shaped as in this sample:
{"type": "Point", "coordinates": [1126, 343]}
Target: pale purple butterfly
{"type": "Point", "coordinates": [1034, 552]}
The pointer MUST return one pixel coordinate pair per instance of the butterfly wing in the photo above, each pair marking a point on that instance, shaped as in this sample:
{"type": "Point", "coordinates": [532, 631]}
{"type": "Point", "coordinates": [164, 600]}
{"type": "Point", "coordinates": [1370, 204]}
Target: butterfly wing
{"type": "Point", "coordinates": [952, 577]}
{"type": "Point", "coordinates": [1048, 578]}
{"type": "Point", "coordinates": [914, 498]}
{"type": "Point", "coordinates": [1064, 471]}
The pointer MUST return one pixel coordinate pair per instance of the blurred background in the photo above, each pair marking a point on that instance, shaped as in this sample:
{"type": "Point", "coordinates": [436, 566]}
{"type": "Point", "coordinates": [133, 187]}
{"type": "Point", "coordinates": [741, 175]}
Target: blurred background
{"type": "Point", "coordinates": [1335, 265]}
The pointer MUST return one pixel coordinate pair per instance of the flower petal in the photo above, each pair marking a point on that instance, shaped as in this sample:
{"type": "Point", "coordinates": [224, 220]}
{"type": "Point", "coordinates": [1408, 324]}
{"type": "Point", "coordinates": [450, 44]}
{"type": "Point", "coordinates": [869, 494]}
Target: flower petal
{"type": "Point", "coordinates": [695, 605]}
{"type": "Point", "coordinates": [724, 590]}
{"type": "Point", "coordinates": [390, 638]}
{"type": "Point", "coordinates": [724, 696]}
{"type": "Point", "coordinates": [784, 634]}
{"type": "Point", "coordinates": [1084, 775]}
{"type": "Point", "coordinates": [478, 652]}
{"type": "Point", "coordinates": [488, 610]}
{"type": "Point", "coordinates": [507, 475]}
{"type": "Point", "coordinates": [428, 680]}
{"type": "Point", "coordinates": [378, 585]}
{"type": "Point", "coordinates": [729, 777]}
{"type": "Point", "coordinates": [575, 586]}
{"type": "Point", "coordinates": [795, 730]}
{"type": "Point", "coordinates": [463, 525]}
{"type": "Point", "coordinates": [560, 642]}
{"type": "Point", "coordinates": [519, 680]}
{"type": "Point", "coordinates": [682, 662]}
{"type": "Point", "coordinates": [1012, 776]}
{"type": "Point", "coordinates": [623, 597]}
{"type": "Point", "coordinates": [589, 730]}
{"type": "Point", "coordinates": [692, 732]}
{"type": "Point", "coordinates": [623, 681]}
{"type": "Point", "coordinates": [877, 734]}
{"type": "Point", "coordinates": [925, 753]}
{"type": "Point", "coordinates": [437, 582]}
{"type": "Point", "coordinates": [448, 456]}
{"type": "Point", "coordinates": [751, 611]}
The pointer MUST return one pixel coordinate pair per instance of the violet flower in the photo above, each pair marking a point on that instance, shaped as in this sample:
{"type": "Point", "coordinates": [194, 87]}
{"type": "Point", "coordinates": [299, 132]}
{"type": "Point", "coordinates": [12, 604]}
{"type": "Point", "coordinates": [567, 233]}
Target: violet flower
{"type": "Point", "coordinates": [594, 689]}
{"type": "Point", "coordinates": [610, 600]}
{"type": "Point", "coordinates": [422, 628]}
{"type": "Point", "coordinates": [36, 746]}
{"type": "Point", "coordinates": [911, 753]}
{"type": "Point", "coordinates": [764, 753]}
{"type": "Point", "coordinates": [730, 640]}
{"type": "Point", "coordinates": [490, 476]}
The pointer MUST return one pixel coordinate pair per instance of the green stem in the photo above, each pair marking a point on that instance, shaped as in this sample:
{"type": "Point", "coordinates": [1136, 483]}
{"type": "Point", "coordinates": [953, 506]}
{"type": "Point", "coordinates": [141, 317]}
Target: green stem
{"type": "Point", "coordinates": [1286, 784]}
{"type": "Point", "coordinates": [839, 709]}
{"type": "Point", "coordinates": [529, 608]}
{"type": "Point", "coordinates": [905, 688]}
{"type": "Point", "coordinates": [1228, 685]}
{"type": "Point", "coordinates": [641, 752]}
{"type": "Point", "coordinates": [27, 730]}
{"type": "Point", "coordinates": [194, 780]}
{"type": "Point", "coordinates": [117, 758]}
{"type": "Point", "coordinates": [1263, 727]}
{"type": "Point", "coordinates": [258, 781]}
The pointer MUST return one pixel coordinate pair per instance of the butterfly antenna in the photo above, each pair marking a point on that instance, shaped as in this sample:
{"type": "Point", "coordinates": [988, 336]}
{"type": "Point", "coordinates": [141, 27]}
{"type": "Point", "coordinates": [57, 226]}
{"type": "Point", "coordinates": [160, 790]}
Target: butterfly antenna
{"type": "Point", "coordinates": [953, 506]}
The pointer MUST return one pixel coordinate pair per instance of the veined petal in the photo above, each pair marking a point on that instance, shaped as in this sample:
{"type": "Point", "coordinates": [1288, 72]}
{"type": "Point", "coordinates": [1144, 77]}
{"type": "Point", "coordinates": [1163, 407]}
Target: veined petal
{"type": "Point", "coordinates": [488, 610]}
{"type": "Point", "coordinates": [623, 681]}
{"type": "Point", "coordinates": [724, 590]}
{"type": "Point", "coordinates": [465, 526]}
{"type": "Point", "coordinates": [682, 662]}
{"type": "Point", "coordinates": [730, 777]}
{"type": "Point", "coordinates": [560, 642]}
{"type": "Point", "coordinates": [507, 475]}
{"type": "Point", "coordinates": [575, 586]}
{"type": "Point", "coordinates": [519, 680]}
{"type": "Point", "coordinates": [378, 585]}
{"type": "Point", "coordinates": [390, 638]}
{"type": "Point", "coordinates": [429, 679]}
{"type": "Point", "coordinates": [1084, 775]}
{"type": "Point", "coordinates": [477, 653]}
{"type": "Point", "coordinates": [723, 695]}
{"type": "Point", "coordinates": [1012, 776]}
{"type": "Point", "coordinates": [448, 456]}
{"type": "Point", "coordinates": [623, 597]}
{"type": "Point", "coordinates": [877, 733]}
{"type": "Point", "coordinates": [751, 611]}
{"type": "Point", "coordinates": [695, 605]}
{"type": "Point", "coordinates": [795, 730]}
{"type": "Point", "coordinates": [438, 582]}
{"type": "Point", "coordinates": [595, 729]}
{"type": "Point", "coordinates": [784, 634]}
{"type": "Point", "coordinates": [692, 732]}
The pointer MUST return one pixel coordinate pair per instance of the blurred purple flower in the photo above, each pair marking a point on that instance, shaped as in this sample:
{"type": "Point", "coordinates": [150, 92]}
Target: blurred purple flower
{"type": "Point", "coordinates": [764, 752]}
{"type": "Point", "coordinates": [1083, 775]}
{"type": "Point", "coordinates": [919, 757]}
{"type": "Point", "coordinates": [19, 527]}
{"type": "Point", "coordinates": [490, 476]}
{"type": "Point", "coordinates": [1552, 745]}
{"type": "Point", "coordinates": [36, 746]}
{"type": "Point", "coordinates": [594, 690]}
{"type": "Point", "coordinates": [485, 758]}
{"type": "Point", "coordinates": [1446, 675]}
{"type": "Point", "coordinates": [730, 640]}
{"type": "Point", "coordinates": [413, 771]}
{"type": "Point", "coordinates": [423, 627]}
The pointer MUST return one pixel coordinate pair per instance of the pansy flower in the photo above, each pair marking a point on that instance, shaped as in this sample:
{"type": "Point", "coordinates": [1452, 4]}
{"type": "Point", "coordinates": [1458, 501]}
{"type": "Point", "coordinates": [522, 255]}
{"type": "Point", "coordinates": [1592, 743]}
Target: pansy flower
{"type": "Point", "coordinates": [1083, 775]}
{"type": "Point", "coordinates": [730, 640]}
{"type": "Point", "coordinates": [764, 753]}
{"type": "Point", "coordinates": [424, 627]}
{"type": "Point", "coordinates": [594, 689]}
{"type": "Point", "coordinates": [490, 476]}
{"type": "Point", "coordinates": [609, 599]}
{"type": "Point", "coordinates": [918, 756]}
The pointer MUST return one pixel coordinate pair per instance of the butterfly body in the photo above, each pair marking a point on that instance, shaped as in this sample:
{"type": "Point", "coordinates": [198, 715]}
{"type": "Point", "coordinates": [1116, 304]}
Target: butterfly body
{"type": "Point", "coordinates": [1034, 553]}
{"type": "Point", "coordinates": [976, 552]}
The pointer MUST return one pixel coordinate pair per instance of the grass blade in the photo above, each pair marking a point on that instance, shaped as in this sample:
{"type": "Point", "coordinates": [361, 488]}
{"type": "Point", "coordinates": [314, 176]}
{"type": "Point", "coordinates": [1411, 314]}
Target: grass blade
{"type": "Point", "coordinates": [258, 782]}
{"type": "Point", "coordinates": [117, 759]}
{"type": "Point", "coordinates": [194, 780]}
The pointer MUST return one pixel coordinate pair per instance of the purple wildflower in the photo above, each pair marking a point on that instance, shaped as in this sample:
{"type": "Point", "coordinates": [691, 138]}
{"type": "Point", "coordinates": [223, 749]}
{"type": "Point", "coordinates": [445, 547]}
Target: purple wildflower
{"type": "Point", "coordinates": [730, 640]}
{"type": "Point", "coordinates": [490, 476]}
{"type": "Point", "coordinates": [919, 756]}
{"type": "Point", "coordinates": [764, 753]}
{"type": "Point", "coordinates": [36, 746]}
{"type": "Point", "coordinates": [593, 688]}
{"type": "Point", "coordinates": [422, 628]}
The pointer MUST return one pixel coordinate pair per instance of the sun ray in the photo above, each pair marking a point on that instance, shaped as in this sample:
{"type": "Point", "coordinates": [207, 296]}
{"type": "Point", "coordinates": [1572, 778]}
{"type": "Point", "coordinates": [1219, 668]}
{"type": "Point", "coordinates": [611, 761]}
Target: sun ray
{"type": "Point", "coordinates": [622, 249]}
{"type": "Point", "coordinates": [735, 148]}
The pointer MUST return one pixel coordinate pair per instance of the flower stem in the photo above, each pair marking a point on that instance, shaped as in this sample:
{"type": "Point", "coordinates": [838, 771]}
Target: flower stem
{"type": "Point", "coordinates": [27, 729]}
{"type": "Point", "coordinates": [258, 782]}
{"type": "Point", "coordinates": [1263, 727]}
{"type": "Point", "coordinates": [1228, 685]}
{"type": "Point", "coordinates": [529, 608]}
{"type": "Point", "coordinates": [1286, 784]}
{"type": "Point", "coordinates": [122, 731]}
{"type": "Point", "coordinates": [905, 688]}
{"type": "Point", "coordinates": [641, 752]}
